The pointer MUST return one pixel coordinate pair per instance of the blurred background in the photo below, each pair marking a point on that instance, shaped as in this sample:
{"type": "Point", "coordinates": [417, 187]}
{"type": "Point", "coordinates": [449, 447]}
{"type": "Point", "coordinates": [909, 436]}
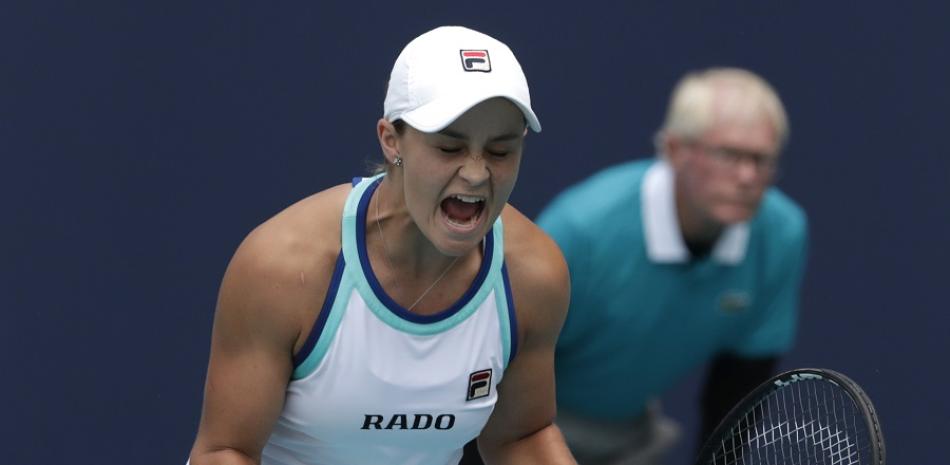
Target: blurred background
{"type": "Point", "coordinates": [141, 141]}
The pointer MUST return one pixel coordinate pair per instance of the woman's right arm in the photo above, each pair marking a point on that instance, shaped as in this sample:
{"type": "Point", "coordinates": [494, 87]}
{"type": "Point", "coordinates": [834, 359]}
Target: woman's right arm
{"type": "Point", "coordinates": [262, 298]}
{"type": "Point", "coordinates": [250, 362]}
{"type": "Point", "coordinates": [269, 298]}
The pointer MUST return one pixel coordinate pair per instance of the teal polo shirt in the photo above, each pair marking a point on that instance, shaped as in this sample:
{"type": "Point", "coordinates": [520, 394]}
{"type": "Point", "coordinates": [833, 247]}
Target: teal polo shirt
{"type": "Point", "coordinates": [643, 312]}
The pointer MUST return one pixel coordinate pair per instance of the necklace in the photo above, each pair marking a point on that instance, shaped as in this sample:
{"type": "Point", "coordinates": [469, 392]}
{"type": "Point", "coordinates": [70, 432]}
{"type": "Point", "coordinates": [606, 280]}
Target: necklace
{"type": "Point", "coordinates": [389, 260]}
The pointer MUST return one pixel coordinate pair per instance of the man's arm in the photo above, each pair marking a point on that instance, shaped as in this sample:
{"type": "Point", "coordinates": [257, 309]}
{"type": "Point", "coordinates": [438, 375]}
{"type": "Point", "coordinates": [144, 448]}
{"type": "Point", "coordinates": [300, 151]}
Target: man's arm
{"type": "Point", "coordinates": [729, 379]}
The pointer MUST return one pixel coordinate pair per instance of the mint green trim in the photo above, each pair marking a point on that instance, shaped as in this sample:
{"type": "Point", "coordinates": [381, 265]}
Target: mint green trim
{"type": "Point", "coordinates": [497, 281]}
{"type": "Point", "coordinates": [353, 202]}
{"type": "Point", "coordinates": [355, 273]}
{"type": "Point", "coordinates": [492, 281]}
{"type": "Point", "coordinates": [353, 278]}
{"type": "Point", "coordinates": [391, 319]}
{"type": "Point", "coordinates": [345, 289]}
{"type": "Point", "coordinates": [504, 323]}
{"type": "Point", "coordinates": [343, 294]}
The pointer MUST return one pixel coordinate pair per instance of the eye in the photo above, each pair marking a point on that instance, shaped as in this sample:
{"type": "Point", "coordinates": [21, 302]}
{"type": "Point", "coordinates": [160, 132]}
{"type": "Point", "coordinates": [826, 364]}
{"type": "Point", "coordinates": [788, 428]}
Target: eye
{"type": "Point", "coordinates": [728, 155]}
{"type": "Point", "coordinates": [450, 149]}
{"type": "Point", "coordinates": [500, 150]}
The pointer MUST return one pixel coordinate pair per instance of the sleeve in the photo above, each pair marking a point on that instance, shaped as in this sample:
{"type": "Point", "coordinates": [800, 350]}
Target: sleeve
{"type": "Point", "coordinates": [772, 331]}
{"type": "Point", "coordinates": [560, 223]}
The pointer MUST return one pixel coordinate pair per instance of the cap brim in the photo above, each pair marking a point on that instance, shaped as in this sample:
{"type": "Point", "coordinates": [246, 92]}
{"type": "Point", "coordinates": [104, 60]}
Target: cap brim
{"type": "Point", "coordinates": [439, 114]}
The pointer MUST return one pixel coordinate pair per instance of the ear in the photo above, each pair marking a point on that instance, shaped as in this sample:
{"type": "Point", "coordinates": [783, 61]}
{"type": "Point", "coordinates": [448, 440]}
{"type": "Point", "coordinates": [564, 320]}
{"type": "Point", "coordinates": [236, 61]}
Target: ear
{"type": "Point", "coordinates": [675, 150]}
{"type": "Point", "coordinates": [388, 139]}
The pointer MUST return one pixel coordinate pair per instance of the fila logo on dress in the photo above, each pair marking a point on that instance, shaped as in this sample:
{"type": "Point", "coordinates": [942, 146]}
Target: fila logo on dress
{"type": "Point", "coordinates": [479, 384]}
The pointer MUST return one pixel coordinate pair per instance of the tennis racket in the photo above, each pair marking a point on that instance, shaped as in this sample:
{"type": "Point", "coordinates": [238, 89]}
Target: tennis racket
{"type": "Point", "coordinates": [802, 417]}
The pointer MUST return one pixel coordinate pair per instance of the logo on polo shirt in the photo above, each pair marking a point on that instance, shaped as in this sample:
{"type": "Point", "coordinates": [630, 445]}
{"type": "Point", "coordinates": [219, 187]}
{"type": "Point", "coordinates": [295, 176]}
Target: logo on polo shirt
{"type": "Point", "coordinates": [475, 60]}
{"type": "Point", "coordinates": [479, 384]}
{"type": "Point", "coordinates": [734, 301]}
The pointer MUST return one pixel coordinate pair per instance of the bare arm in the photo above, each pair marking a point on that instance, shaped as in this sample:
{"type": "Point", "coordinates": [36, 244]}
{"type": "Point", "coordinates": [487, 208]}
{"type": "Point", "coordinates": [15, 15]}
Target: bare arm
{"type": "Point", "coordinates": [268, 300]}
{"type": "Point", "coordinates": [521, 429]}
{"type": "Point", "coordinates": [249, 366]}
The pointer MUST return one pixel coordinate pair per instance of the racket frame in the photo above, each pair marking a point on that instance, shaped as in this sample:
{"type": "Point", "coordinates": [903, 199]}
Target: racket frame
{"type": "Point", "coordinates": [851, 388]}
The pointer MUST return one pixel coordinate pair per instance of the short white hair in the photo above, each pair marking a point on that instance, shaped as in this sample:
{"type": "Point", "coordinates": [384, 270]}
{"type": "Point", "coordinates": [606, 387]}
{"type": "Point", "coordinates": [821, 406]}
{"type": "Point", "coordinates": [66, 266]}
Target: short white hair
{"type": "Point", "coordinates": [698, 94]}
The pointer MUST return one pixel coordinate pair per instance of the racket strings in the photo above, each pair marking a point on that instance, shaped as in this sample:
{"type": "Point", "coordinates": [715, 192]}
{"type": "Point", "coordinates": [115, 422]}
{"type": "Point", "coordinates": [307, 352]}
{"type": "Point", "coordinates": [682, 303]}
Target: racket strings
{"type": "Point", "coordinates": [804, 423]}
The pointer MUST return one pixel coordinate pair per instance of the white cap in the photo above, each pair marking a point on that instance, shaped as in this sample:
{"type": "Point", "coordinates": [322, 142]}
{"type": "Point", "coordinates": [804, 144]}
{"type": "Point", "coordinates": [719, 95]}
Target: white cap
{"type": "Point", "coordinates": [443, 73]}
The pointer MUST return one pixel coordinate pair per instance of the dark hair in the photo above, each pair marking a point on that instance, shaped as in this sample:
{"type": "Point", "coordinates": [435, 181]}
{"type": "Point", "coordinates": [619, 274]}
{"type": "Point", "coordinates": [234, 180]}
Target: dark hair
{"type": "Point", "coordinates": [400, 126]}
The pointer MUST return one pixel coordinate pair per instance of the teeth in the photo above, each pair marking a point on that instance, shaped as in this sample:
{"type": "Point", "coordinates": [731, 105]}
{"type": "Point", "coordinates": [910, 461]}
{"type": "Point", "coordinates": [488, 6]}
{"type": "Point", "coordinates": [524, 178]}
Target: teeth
{"type": "Point", "coordinates": [463, 223]}
{"type": "Point", "coordinates": [468, 198]}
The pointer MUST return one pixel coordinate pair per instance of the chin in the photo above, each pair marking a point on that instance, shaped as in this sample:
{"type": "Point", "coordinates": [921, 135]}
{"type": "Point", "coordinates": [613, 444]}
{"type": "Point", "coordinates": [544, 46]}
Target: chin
{"type": "Point", "coordinates": [733, 214]}
{"type": "Point", "coordinates": [458, 241]}
{"type": "Point", "coordinates": [458, 246]}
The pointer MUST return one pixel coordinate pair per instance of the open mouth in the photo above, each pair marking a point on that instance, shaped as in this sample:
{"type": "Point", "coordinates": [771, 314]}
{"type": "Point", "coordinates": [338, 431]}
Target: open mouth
{"type": "Point", "coordinates": [463, 211]}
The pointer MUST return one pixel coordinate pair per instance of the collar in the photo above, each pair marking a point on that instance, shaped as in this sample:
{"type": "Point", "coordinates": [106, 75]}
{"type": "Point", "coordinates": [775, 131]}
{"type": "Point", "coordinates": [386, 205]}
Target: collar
{"type": "Point", "coordinates": [661, 229]}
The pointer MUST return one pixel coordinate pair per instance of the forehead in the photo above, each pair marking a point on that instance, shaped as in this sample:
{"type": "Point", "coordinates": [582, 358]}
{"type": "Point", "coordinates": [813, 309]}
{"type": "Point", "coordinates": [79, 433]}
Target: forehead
{"type": "Point", "coordinates": [748, 132]}
{"type": "Point", "coordinates": [493, 117]}
{"type": "Point", "coordinates": [739, 117]}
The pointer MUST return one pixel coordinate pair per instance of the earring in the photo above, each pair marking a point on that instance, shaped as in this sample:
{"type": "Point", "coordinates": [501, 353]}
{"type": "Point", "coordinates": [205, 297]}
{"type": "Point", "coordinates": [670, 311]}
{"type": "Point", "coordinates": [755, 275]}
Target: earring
{"type": "Point", "coordinates": [397, 161]}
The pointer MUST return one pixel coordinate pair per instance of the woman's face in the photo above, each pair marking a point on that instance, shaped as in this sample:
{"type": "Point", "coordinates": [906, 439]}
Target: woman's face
{"type": "Point", "coordinates": [457, 181]}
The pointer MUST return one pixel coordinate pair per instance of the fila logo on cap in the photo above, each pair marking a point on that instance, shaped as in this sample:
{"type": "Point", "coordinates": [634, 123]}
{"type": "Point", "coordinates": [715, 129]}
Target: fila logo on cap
{"type": "Point", "coordinates": [475, 60]}
{"type": "Point", "coordinates": [479, 384]}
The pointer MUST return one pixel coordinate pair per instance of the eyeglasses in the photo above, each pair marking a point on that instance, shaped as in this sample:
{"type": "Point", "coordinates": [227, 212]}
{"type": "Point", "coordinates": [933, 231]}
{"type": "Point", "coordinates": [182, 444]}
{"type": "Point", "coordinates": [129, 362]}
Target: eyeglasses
{"type": "Point", "coordinates": [732, 158]}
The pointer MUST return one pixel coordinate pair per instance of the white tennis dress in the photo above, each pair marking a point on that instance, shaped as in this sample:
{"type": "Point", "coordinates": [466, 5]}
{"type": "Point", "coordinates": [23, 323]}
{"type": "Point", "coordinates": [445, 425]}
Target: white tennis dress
{"type": "Point", "coordinates": [378, 385]}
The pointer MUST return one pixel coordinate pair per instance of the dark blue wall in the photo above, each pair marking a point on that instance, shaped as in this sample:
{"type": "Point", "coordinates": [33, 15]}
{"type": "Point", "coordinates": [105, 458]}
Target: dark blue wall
{"type": "Point", "coordinates": [141, 141]}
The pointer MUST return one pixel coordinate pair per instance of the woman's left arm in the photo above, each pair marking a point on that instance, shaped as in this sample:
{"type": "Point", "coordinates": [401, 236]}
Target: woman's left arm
{"type": "Point", "coordinates": [521, 429]}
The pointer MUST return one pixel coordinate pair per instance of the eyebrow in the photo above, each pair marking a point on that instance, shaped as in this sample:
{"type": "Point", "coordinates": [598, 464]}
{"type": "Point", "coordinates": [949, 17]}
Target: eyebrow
{"type": "Point", "coordinates": [457, 135]}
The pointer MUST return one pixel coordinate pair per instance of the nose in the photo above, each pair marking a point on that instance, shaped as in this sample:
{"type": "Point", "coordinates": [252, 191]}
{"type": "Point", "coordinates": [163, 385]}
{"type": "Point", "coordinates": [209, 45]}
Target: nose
{"type": "Point", "coordinates": [474, 169]}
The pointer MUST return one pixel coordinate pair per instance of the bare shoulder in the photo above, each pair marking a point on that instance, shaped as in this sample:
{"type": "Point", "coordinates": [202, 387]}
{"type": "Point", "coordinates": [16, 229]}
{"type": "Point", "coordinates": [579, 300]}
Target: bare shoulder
{"type": "Point", "coordinates": [539, 276]}
{"type": "Point", "coordinates": [302, 230]}
{"type": "Point", "coordinates": [531, 251]}
{"type": "Point", "coordinates": [280, 272]}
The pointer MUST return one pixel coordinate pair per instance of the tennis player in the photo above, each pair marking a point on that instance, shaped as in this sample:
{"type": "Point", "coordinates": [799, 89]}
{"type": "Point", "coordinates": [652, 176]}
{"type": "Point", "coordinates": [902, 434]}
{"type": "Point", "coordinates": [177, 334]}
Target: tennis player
{"type": "Point", "coordinates": [675, 261]}
{"type": "Point", "coordinates": [392, 319]}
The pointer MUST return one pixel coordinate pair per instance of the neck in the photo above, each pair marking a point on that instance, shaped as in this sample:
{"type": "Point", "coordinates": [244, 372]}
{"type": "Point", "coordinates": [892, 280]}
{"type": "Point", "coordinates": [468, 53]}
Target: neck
{"type": "Point", "coordinates": [401, 242]}
{"type": "Point", "coordinates": [411, 269]}
{"type": "Point", "coordinates": [698, 231]}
